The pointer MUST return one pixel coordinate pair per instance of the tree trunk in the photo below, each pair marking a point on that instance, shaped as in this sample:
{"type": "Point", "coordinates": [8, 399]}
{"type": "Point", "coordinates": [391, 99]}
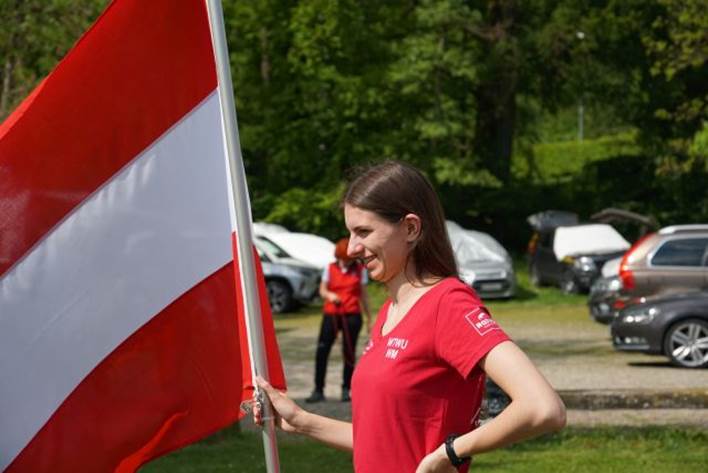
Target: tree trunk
{"type": "Point", "coordinates": [496, 97]}
{"type": "Point", "coordinates": [6, 84]}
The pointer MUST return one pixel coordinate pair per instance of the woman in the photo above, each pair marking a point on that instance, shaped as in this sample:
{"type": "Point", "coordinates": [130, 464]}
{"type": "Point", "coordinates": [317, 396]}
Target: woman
{"type": "Point", "coordinates": [418, 387]}
{"type": "Point", "coordinates": [343, 290]}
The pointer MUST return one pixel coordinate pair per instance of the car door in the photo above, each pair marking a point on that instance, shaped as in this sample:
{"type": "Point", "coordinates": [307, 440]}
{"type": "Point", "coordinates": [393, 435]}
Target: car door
{"type": "Point", "coordinates": [705, 269]}
{"type": "Point", "coordinates": [547, 262]}
{"type": "Point", "coordinates": [680, 264]}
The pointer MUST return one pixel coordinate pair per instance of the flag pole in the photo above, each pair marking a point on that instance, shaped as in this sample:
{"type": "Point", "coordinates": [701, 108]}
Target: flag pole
{"type": "Point", "coordinates": [243, 224]}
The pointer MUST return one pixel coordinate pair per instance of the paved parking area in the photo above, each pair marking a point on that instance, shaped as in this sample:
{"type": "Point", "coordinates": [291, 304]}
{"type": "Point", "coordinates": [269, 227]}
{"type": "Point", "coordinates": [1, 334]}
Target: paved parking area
{"type": "Point", "coordinates": [575, 354]}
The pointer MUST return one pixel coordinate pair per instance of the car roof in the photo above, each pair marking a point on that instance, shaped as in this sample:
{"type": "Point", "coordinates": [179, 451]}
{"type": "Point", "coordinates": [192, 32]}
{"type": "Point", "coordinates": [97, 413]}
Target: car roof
{"type": "Point", "coordinates": [693, 228]}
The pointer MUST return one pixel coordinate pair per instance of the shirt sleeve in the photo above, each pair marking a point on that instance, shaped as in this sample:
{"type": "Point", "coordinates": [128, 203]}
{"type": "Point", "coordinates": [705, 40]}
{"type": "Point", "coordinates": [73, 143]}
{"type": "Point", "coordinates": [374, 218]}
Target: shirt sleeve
{"type": "Point", "coordinates": [465, 332]}
{"type": "Point", "coordinates": [325, 274]}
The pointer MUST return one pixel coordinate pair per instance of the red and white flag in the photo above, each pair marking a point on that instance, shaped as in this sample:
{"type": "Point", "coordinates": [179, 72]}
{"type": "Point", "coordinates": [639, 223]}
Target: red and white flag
{"type": "Point", "coordinates": [119, 335]}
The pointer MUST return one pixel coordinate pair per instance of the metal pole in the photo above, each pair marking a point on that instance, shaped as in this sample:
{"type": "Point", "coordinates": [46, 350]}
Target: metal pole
{"type": "Point", "coordinates": [243, 224]}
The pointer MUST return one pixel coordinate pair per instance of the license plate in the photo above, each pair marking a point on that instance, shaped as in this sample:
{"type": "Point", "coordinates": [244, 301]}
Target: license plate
{"type": "Point", "coordinates": [491, 286]}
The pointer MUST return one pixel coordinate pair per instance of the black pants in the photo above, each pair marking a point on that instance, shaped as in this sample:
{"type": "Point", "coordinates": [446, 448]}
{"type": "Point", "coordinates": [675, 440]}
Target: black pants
{"type": "Point", "coordinates": [350, 325]}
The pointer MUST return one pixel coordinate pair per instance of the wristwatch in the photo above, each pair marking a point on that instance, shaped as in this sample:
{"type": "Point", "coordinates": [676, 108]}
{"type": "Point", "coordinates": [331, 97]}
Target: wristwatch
{"type": "Point", "coordinates": [451, 455]}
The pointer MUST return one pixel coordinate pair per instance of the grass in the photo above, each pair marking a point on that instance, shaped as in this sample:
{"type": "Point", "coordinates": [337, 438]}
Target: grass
{"type": "Point", "coordinates": [625, 450]}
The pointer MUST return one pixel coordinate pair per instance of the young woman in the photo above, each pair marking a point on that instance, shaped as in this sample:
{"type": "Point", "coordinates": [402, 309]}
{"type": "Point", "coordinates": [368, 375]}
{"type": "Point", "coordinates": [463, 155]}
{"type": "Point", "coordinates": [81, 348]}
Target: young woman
{"type": "Point", "coordinates": [343, 290]}
{"type": "Point", "coordinates": [418, 387]}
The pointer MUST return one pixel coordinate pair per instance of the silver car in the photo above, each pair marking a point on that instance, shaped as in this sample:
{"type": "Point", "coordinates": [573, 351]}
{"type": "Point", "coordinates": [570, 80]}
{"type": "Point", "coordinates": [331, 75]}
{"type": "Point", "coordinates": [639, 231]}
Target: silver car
{"type": "Point", "coordinates": [482, 262]}
{"type": "Point", "coordinates": [289, 281]}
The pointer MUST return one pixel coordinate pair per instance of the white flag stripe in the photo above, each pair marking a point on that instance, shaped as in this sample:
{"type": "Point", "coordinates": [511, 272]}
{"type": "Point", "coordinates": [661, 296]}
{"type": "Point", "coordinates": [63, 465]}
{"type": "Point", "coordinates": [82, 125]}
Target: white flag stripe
{"type": "Point", "coordinates": [125, 254]}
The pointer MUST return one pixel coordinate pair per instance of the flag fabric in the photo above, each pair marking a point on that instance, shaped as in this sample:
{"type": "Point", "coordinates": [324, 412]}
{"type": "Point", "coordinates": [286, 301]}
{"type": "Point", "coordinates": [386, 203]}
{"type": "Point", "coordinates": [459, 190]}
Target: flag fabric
{"type": "Point", "coordinates": [122, 334]}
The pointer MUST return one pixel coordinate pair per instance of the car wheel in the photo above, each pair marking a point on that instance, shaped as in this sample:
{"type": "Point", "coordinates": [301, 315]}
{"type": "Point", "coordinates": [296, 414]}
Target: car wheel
{"type": "Point", "coordinates": [568, 283]}
{"type": "Point", "coordinates": [280, 296]}
{"type": "Point", "coordinates": [686, 343]}
{"type": "Point", "coordinates": [535, 276]}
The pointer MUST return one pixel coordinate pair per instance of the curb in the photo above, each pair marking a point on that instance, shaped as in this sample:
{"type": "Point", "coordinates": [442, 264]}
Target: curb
{"type": "Point", "coordinates": [635, 399]}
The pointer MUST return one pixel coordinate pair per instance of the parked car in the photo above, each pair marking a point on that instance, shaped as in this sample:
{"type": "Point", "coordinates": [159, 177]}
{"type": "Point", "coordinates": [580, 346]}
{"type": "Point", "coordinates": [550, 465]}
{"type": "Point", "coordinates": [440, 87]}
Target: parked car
{"type": "Point", "coordinates": [289, 281]}
{"type": "Point", "coordinates": [570, 254]}
{"type": "Point", "coordinates": [313, 249]}
{"type": "Point", "coordinates": [604, 301]}
{"type": "Point", "coordinates": [675, 326]}
{"type": "Point", "coordinates": [483, 262]}
{"type": "Point", "coordinates": [672, 260]}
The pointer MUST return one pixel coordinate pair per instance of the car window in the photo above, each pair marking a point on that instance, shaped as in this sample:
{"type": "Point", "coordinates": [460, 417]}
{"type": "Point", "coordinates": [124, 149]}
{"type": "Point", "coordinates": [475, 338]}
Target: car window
{"type": "Point", "coordinates": [546, 240]}
{"type": "Point", "coordinates": [262, 255]}
{"type": "Point", "coordinates": [683, 252]}
{"type": "Point", "coordinates": [272, 248]}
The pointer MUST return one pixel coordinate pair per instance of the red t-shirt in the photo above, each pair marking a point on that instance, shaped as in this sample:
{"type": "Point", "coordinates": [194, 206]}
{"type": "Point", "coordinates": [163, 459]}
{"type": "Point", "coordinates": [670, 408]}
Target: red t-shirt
{"type": "Point", "coordinates": [419, 383]}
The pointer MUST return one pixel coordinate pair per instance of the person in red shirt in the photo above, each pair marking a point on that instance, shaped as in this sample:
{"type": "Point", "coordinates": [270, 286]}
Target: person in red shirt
{"type": "Point", "coordinates": [418, 387]}
{"type": "Point", "coordinates": [343, 289]}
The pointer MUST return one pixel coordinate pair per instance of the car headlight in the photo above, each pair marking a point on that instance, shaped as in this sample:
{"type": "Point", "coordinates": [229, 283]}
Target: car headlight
{"type": "Point", "coordinates": [615, 284]}
{"type": "Point", "coordinates": [585, 263]}
{"type": "Point", "coordinates": [467, 276]}
{"type": "Point", "coordinates": [640, 316]}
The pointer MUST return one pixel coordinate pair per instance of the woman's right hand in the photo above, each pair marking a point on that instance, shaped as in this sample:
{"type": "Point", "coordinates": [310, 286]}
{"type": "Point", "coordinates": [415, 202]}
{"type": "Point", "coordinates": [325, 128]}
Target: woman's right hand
{"type": "Point", "coordinates": [287, 413]}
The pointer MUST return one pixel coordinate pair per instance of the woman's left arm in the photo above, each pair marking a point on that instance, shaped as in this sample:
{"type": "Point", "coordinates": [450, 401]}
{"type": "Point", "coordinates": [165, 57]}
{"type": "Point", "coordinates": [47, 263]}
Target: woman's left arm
{"type": "Point", "coordinates": [535, 409]}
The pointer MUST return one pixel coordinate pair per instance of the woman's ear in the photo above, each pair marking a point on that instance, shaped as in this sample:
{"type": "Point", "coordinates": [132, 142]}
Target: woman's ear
{"type": "Point", "coordinates": [412, 225]}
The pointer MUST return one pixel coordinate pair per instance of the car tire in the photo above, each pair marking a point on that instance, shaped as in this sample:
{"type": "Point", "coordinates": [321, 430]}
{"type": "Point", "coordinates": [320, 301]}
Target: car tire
{"type": "Point", "coordinates": [535, 276]}
{"type": "Point", "coordinates": [280, 296]}
{"type": "Point", "coordinates": [568, 284]}
{"type": "Point", "coordinates": [686, 343]}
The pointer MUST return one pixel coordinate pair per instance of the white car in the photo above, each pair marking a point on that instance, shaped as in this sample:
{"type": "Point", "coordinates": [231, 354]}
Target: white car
{"type": "Point", "coordinates": [313, 249]}
{"type": "Point", "coordinates": [289, 281]}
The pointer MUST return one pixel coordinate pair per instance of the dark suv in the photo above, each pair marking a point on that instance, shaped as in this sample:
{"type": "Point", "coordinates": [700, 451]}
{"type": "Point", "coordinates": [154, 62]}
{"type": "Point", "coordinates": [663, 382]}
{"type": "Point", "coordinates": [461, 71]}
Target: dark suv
{"type": "Point", "coordinates": [674, 325]}
{"type": "Point", "coordinates": [674, 259]}
{"type": "Point", "coordinates": [570, 254]}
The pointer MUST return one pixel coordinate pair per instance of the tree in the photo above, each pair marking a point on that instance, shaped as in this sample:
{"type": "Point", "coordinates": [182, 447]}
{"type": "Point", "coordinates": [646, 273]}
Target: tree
{"type": "Point", "coordinates": [34, 34]}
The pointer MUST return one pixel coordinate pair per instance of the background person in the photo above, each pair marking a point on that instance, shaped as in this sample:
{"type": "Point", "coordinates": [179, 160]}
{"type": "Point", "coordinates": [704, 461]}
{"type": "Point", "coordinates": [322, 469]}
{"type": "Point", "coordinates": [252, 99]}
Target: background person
{"type": "Point", "coordinates": [418, 388]}
{"type": "Point", "coordinates": [343, 290]}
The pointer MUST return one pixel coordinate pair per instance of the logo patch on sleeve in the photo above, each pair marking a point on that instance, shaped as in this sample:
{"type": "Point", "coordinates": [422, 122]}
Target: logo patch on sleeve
{"type": "Point", "coordinates": [481, 321]}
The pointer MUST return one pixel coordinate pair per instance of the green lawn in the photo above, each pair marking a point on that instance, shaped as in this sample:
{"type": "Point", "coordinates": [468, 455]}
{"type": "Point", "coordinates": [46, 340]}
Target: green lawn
{"type": "Point", "coordinates": [623, 450]}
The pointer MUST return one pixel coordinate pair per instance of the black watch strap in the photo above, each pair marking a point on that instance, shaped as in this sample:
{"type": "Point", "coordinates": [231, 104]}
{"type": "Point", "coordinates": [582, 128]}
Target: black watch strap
{"type": "Point", "coordinates": [451, 455]}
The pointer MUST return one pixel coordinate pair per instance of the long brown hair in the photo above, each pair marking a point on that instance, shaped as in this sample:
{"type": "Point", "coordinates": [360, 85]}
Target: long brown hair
{"type": "Point", "coordinates": [393, 189]}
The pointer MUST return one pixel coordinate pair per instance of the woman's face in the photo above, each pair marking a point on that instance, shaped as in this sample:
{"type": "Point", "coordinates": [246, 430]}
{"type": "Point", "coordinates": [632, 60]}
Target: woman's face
{"type": "Point", "coordinates": [381, 246]}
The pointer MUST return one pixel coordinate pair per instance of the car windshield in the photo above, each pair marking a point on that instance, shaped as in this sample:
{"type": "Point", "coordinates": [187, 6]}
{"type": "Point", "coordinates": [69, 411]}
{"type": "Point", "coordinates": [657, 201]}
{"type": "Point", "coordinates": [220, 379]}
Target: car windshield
{"type": "Point", "coordinates": [272, 248]}
{"type": "Point", "coordinates": [588, 239]}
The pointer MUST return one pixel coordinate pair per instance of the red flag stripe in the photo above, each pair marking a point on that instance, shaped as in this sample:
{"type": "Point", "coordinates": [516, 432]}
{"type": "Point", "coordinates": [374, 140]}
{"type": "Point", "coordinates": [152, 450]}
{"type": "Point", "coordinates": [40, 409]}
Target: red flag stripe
{"type": "Point", "coordinates": [188, 372]}
{"type": "Point", "coordinates": [96, 112]}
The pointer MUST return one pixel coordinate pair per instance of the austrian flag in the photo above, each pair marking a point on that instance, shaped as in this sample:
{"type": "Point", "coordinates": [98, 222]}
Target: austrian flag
{"type": "Point", "coordinates": [122, 334]}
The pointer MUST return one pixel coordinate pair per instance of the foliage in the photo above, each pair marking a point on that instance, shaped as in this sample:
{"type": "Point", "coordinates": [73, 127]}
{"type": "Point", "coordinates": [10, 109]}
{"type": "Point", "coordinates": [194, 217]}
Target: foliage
{"type": "Point", "coordinates": [34, 34]}
{"type": "Point", "coordinates": [309, 211]}
{"type": "Point", "coordinates": [564, 160]}
{"type": "Point", "coordinates": [478, 94]}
